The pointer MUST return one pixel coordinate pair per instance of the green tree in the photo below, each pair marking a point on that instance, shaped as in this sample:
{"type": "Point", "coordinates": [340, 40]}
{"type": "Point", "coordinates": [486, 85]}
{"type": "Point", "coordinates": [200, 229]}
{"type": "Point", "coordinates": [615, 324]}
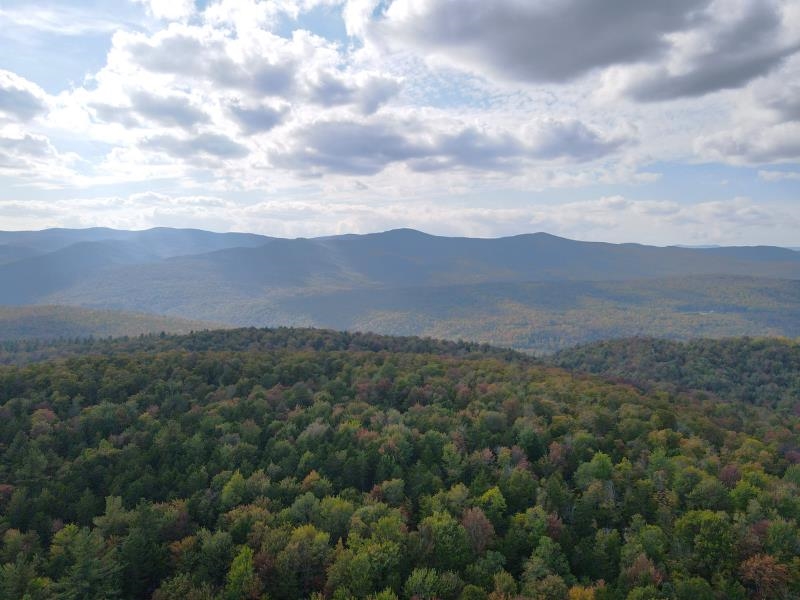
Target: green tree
{"type": "Point", "coordinates": [88, 568]}
{"type": "Point", "coordinates": [241, 582]}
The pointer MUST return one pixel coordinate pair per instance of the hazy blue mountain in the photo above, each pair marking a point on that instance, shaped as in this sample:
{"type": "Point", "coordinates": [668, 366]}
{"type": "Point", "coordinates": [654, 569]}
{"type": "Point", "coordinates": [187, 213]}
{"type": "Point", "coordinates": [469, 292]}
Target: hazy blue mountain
{"type": "Point", "coordinates": [28, 280]}
{"type": "Point", "coordinates": [161, 241]}
{"type": "Point", "coordinates": [755, 253]}
{"type": "Point", "coordinates": [10, 253]}
{"type": "Point", "coordinates": [534, 291]}
{"type": "Point", "coordinates": [410, 258]}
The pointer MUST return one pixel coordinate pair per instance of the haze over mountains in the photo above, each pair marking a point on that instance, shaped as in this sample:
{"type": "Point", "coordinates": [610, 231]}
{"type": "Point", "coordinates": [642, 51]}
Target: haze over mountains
{"type": "Point", "coordinates": [533, 291]}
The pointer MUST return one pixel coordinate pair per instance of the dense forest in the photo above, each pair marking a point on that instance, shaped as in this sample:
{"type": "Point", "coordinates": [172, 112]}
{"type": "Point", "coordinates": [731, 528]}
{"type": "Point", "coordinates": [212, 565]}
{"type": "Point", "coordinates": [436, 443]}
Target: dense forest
{"type": "Point", "coordinates": [762, 371]}
{"type": "Point", "coordinates": [49, 322]}
{"type": "Point", "coordinates": [250, 339]}
{"type": "Point", "coordinates": [300, 464]}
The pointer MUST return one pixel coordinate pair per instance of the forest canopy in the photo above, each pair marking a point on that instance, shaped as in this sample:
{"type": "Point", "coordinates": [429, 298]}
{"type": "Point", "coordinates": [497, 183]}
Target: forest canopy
{"type": "Point", "coordinates": [289, 464]}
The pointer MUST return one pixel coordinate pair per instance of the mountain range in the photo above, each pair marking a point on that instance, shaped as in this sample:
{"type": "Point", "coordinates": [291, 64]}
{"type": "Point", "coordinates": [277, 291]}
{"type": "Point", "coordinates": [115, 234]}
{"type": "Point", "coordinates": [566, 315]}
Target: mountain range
{"type": "Point", "coordinates": [533, 292]}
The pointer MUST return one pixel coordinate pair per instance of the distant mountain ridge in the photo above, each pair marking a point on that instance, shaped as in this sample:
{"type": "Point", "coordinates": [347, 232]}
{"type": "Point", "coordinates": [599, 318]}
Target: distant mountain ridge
{"type": "Point", "coordinates": [398, 281]}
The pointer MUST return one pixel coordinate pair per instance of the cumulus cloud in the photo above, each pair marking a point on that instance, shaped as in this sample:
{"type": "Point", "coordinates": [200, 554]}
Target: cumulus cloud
{"type": "Point", "coordinates": [346, 147]}
{"type": "Point", "coordinates": [260, 64]}
{"type": "Point", "coordinates": [570, 139]}
{"type": "Point", "coordinates": [20, 99]}
{"type": "Point", "coordinates": [438, 99]}
{"type": "Point", "coordinates": [742, 41]}
{"type": "Point", "coordinates": [356, 148]}
{"type": "Point", "coordinates": [24, 146]}
{"type": "Point", "coordinates": [257, 118]}
{"type": "Point", "coordinates": [762, 145]}
{"type": "Point", "coordinates": [471, 148]}
{"type": "Point", "coordinates": [33, 158]}
{"type": "Point", "coordinates": [168, 111]}
{"type": "Point", "coordinates": [764, 123]}
{"type": "Point", "coordinates": [649, 51]}
{"type": "Point", "coordinates": [208, 55]}
{"type": "Point", "coordinates": [536, 41]}
{"type": "Point", "coordinates": [367, 92]}
{"type": "Point", "coordinates": [205, 145]}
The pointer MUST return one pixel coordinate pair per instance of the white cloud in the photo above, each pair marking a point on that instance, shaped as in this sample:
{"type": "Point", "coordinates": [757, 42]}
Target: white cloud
{"type": "Point", "coordinates": [535, 41]}
{"type": "Point", "coordinates": [169, 10]}
{"type": "Point", "coordinates": [779, 175]}
{"type": "Point", "coordinates": [59, 19]}
{"type": "Point", "coordinates": [31, 158]}
{"type": "Point", "coordinates": [20, 99]}
{"type": "Point", "coordinates": [486, 101]}
{"type": "Point", "coordinates": [736, 42]}
{"type": "Point", "coordinates": [754, 146]}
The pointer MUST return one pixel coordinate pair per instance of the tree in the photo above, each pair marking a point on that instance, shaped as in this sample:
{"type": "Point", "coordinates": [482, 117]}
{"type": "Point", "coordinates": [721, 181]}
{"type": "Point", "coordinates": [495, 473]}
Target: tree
{"type": "Point", "coordinates": [479, 529]}
{"type": "Point", "coordinates": [765, 576]}
{"type": "Point", "coordinates": [241, 582]}
{"type": "Point", "coordinates": [302, 564]}
{"type": "Point", "coordinates": [88, 567]}
{"type": "Point", "coordinates": [705, 542]}
{"type": "Point", "coordinates": [446, 543]}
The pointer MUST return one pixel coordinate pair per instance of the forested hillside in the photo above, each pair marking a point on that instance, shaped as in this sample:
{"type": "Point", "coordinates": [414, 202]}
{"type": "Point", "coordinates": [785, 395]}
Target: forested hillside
{"type": "Point", "coordinates": [59, 322]}
{"type": "Point", "coordinates": [533, 292]}
{"type": "Point", "coordinates": [763, 371]}
{"type": "Point", "coordinates": [294, 464]}
{"type": "Point", "coordinates": [249, 339]}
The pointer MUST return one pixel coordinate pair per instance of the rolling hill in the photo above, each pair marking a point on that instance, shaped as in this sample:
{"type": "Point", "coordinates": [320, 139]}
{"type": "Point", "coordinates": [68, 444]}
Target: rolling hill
{"type": "Point", "coordinates": [535, 292]}
{"type": "Point", "coordinates": [56, 322]}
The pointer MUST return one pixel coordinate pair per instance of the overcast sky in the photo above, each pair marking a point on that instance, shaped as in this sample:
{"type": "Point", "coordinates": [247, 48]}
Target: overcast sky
{"type": "Point", "coordinates": [632, 120]}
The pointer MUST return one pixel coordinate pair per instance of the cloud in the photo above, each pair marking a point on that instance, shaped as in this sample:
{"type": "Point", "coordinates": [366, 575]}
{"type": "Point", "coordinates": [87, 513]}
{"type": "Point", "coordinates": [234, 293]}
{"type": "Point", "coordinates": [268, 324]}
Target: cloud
{"type": "Point", "coordinates": [357, 15]}
{"type": "Point", "coordinates": [610, 218]}
{"type": "Point", "coordinates": [614, 218]}
{"type": "Point", "coordinates": [779, 175]}
{"type": "Point", "coordinates": [61, 20]}
{"type": "Point", "coordinates": [570, 139]}
{"type": "Point", "coordinates": [257, 119]}
{"type": "Point", "coordinates": [32, 158]}
{"type": "Point", "coordinates": [533, 41]}
{"type": "Point", "coordinates": [20, 99]}
{"type": "Point", "coordinates": [169, 10]}
{"type": "Point", "coordinates": [764, 122]}
{"type": "Point", "coordinates": [346, 147]}
{"type": "Point", "coordinates": [167, 111]}
{"type": "Point", "coordinates": [170, 111]}
{"type": "Point", "coordinates": [753, 145]}
{"type": "Point", "coordinates": [305, 68]}
{"type": "Point", "coordinates": [25, 146]}
{"type": "Point", "coordinates": [368, 92]}
{"type": "Point", "coordinates": [262, 65]}
{"type": "Point", "coordinates": [205, 144]}
{"type": "Point", "coordinates": [355, 148]}
{"type": "Point", "coordinates": [473, 149]}
{"type": "Point", "coordinates": [649, 51]}
{"type": "Point", "coordinates": [725, 54]}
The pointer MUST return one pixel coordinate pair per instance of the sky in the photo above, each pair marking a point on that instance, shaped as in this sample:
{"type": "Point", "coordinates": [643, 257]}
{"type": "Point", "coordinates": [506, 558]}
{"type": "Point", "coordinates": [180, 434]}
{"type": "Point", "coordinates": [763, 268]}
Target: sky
{"type": "Point", "coordinates": [627, 121]}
